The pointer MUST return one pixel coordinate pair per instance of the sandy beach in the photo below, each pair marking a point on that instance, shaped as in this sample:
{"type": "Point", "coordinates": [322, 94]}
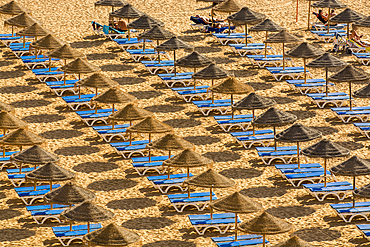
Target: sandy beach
{"type": "Point", "coordinates": [136, 204]}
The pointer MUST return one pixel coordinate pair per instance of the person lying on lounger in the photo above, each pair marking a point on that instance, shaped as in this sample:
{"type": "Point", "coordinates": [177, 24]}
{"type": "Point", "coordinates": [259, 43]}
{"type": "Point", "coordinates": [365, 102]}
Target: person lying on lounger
{"type": "Point", "coordinates": [357, 38]}
{"type": "Point", "coordinates": [323, 17]}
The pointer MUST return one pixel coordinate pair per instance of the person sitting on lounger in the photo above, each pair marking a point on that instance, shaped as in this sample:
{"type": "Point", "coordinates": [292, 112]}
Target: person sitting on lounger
{"type": "Point", "coordinates": [357, 38]}
{"type": "Point", "coordinates": [121, 25]}
{"type": "Point", "coordinates": [321, 16]}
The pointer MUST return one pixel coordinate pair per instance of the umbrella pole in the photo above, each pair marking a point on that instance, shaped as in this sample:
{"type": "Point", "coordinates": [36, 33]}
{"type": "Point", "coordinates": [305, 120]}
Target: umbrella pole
{"type": "Point", "coordinates": [213, 96]}
{"type": "Point", "coordinates": [253, 128]}
{"type": "Point", "coordinates": [24, 41]}
{"type": "Point", "coordinates": [264, 240]}
{"type": "Point", "coordinates": [232, 110]}
{"type": "Point", "coordinates": [169, 172]}
{"type": "Point", "coordinates": [348, 31]}
{"type": "Point", "coordinates": [195, 70]}
{"type": "Point", "coordinates": [130, 138]}
{"type": "Point", "coordinates": [112, 108]}
{"type": "Point", "coordinates": [128, 29]}
{"type": "Point", "coordinates": [49, 64]}
{"type": "Point", "coordinates": [354, 187]}
{"type": "Point", "coordinates": [188, 177]}
{"type": "Point", "coordinates": [296, 15]}
{"type": "Point", "coordinates": [305, 70]}
{"type": "Point", "coordinates": [236, 226]}
{"type": "Point", "coordinates": [159, 53]}
{"type": "Point", "coordinates": [275, 138]}
{"type": "Point", "coordinates": [229, 27]}
{"type": "Point", "coordinates": [326, 80]}
{"type": "Point", "coordinates": [64, 78]}
{"type": "Point", "coordinates": [96, 91]}
{"type": "Point", "coordinates": [144, 45]}
{"type": "Point", "coordinates": [12, 31]}
{"type": "Point", "coordinates": [246, 34]}
{"type": "Point", "coordinates": [298, 160]}
{"type": "Point", "coordinates": [174, 61]}
{"type": "Point", "coordinates": [283, 55]}
{"type": "Point", "coordinates": [210, 201]}
{"type": "Point", "coordinates": [266, 45]}
{"type": "Point", "coordinates": [328, 21]}
{"type": "Point", "coordinates": [70, 225]}
{"type": "Point", "coordinates": [79, 92]}
{"type": "Point", "coordinates": [88, 227]}
{"type": "Point", "coordinates": [169, 154]}
{"type": "Point", "coordinates": [325, 172]}
{"type": "Point", "coordinates": [34, 185]}
{"type": "Point", "coordinates": [350, 96]}
{"type": "Point", "coordinates": [308, 17]}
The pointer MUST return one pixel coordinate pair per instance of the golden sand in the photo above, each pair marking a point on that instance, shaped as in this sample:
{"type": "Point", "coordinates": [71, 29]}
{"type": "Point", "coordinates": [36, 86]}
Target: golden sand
{"type": "Point", "coordinates": [137, 206]}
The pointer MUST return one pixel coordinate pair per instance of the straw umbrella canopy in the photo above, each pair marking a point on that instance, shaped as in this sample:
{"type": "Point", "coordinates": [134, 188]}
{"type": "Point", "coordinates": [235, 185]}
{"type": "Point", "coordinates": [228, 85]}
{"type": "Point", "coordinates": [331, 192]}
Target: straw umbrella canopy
{"type": "Point", "coordinates": [365, 22]}
{"type": "Point", "coordinates": [265, 224]}
{"type": "Point", "coordinates": [363, 191]}
{"type": "Point", "coordinates": [298, 133]}
{"type": "Point", "coordinates": [112, 235]}
{"type": "Point", "coordinates": [130, 113]}
{"type": "Point", "coordinates": [22, 20]}
{"type": "Point", "coordinates": [274, 117]}
{"type": "Point", "coordinates": [78, 66]}
{"type": "Point", "coordinates": [127, 11]}
{"type": "Point", "coordinates": [13, 8]}
{"type": "Point", "coordinates": [64, 52]}
{"type": "Point", "coordinates": [50, 172]}
{"type": "Point", "coordinates": [111, 3]}
{"type": "Point", "coordinates": [231, 86]}
{"type": "Point", "coordinates": [87, 212]}
{"type": "Point", "coordinates": [6, 107]}
{"type": "Point", "coordinates": [347, 16]}
{"type": "Point", "coordinates": [49, 42]}
{"type": "Point", "coordinates": [20, 137]}
{"type": "Point", "coordinates": [268, 26]}
{"type": "Point", "coordinates": [9, 121]}
{"type": "Point", "coordinates": [69, 194]}
{"type": "Point", "coordinates": [283, 37]}
{"type": "Point", "coordinates": [305, 50]}
{"type": "Point", "coordinates": [353, 167]}
{"type": "Point", "coordinates": [228, 6]}
{"type": "Point", "coordinates": [113, 96]}
{"type": "Point", "coordinates": [238, 204]}
{"type": "Point", "coordinates": [174, 44]}
{"type": "Point", "coordinates": [149, 125]}
{"type": "Point", "coordinates": [362, 92]}
{"type": "Point", "coordinates": [210, 179]}
{"type": "Point", "coordinates": [244, 17]}
{"type": "Point", "coordinates": [330, 4]}
{"type": "Point", "coordinates": [326, 61]}
{"type": "Point", "coordinates": [34, 155]}
{"type": "Point", "coordinates": [171, 142]}
{"type": "Point", "coordinates": [35, 30]}
{"type": "Point", "coordinates": [97, 80]}
{"type": "Point", "coordinates": [294, 242]}
{"type": "Point", "coordinates": [187, 159]}
{"type": "Point", "coordinates": [252, 102]}
{"type": "Point", "coordinates": [325, 149]}
{"type": "Point", "coordinates": [351, 75]}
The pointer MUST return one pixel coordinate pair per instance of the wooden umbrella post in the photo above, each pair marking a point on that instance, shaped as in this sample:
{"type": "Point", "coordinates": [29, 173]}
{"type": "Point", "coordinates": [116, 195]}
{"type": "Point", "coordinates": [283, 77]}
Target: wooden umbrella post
{"type": "Point", "coordinates": [326, 81]}
{"type": "Point", "coordinates": [325, 165]}
{"type": "Point", "coordinates": [187, 169]}
{"type": "Point", "coordinates": [305, 70]}
{"type": "Point", "coordinates": [298, 160]}
{"type": "Point", "coordinates": [350, 96]}
{"type": "Point", "coordinates": [266, 44]}
{"type": "Point", "coordinates": [246, 34]}
{"type": "Point", "coordinates": [174, 61]}
{"type": "Point", "coordinates": [354, 187]}
{"type": "Point", "coordinates": [296, 16]}
{"type": "Point", "coordinates": [210, 201]}
{"type": "Point", "coordinates": [236, 226]}
{"type": "Point", "coordinates": [283, 56]}
{"type": "Point", "coordinates": [275, 138]}
{"type": "Point", "coordinates": [232, 110]}
{"type": "Point", "coordinates": [309, 14]}
{"type": "Point", "coordinates": [253, 127]}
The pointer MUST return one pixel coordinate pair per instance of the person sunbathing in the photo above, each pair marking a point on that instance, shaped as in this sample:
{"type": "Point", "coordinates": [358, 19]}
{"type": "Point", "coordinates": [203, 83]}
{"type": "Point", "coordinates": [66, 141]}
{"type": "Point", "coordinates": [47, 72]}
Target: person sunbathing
{"type": "Point", "coordinates": [121, 25]}
{"type": "Point", "coordinates": [357, 38]}
{"type": "Point", "coordinates": [321, 16]}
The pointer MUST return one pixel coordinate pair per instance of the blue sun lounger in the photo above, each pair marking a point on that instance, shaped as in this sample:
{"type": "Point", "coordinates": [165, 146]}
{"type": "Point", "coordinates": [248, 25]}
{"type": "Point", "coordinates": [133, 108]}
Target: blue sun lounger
{"type": "Point", "coordinates": [361, 113]}
{"type": "Point", "coordinates": [200, 200]}
{"type": "Point", "coordinates": [365, 230]}
{"type": "Point", "coordinates": [42, 213]}
{"type": "Point", "coordinates": [222, 222]}
{"type": "Point", "coordinates": [268, 154]}
{"type": "Point", "coordinates": [362, 58]}
{"type": "Point", "coordinates": [297, 176]}
{"type": "Point", "coordinates": [154, 66]}
{"type": "Point", "coordinates": [5, 161]}
{"type": "Point", "coordinates": [252, 49]}
{"type": "Point", "coordinates": [75, 101]}
{"type": "Point", "coordinates": [311, 86]}
{"type": "Point", "coordinates": [270, 60]}
{"type": "Point", "coordinates": [170, 81]}
{"type": "Point", "coordinates": [111, 32]}
{"type": "Point", "coordinates": [347, 212]}
{"type": "Point", "coordinates": [227, 122]}
{"type": "Point", "coordinates": [152, 54]}
{"type": "Point", "coordinates": [90, 116]}
{"type": "Point", "coordinates": [237, 38]}
{"type": "Point", "coordinates": [247, 139]}
{"type": "Point", "coordinates": [206, 106]}
{"type": "Point", "coordinates": [133, 43]}
{"type": "Point", "coordinates": [108, 132]}
{"type": "Point", "coordinates": [364, 128]}
{"type": "Point", "coordinates": [337, 189]}
{"type": "Point", "coordinates": [143, 164]}
{"type": "Point", "coordinates": [33, 63]}
{"type": "Point", "coordinates": [189, 93]}
{"type": "Point", "coordinates": [28, 195]}
{"type": "Point", "coordinates": [59, 90]}
{"type": "Point", "coordinates": [337, 99]}
{"type": "Point", "coordinates": [327, 37]}
{"type": "Point", "coordinates": [292, 72]}
{"type": "Point", "coordinates": [17, 177]}
{"type": "Point", "coordinates": [164, 184]}
{"type": "Point", "coordinates": [127, 150]}
{"type": "Point", "coordinates": [242, 240]}
{"type": "Point", "coordinates": [44, 74]}
{"type": "Point", "coordinates": [65, 235]}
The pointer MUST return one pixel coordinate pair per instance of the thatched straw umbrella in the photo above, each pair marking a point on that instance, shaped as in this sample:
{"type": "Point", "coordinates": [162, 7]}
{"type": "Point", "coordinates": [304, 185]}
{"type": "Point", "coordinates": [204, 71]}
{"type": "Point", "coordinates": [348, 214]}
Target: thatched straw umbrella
{"type": "Point", "coordinates": [127, 12]}
{"type": "Point", "coordinates": [210, 179]}
{"type": "Point", "coordinates": [69, 194]}
{"type": "Point", "coordinates": [236, 203]}
{"type": "Point", "coordinates": [231, 86]}
{"type": "Point", "coordinates": [252, 102]}
{"type": "Point", "coordinates": [6, 107]}
{"type": "Point", "coordinates": [35, 30]}
{"type": "Point", "coordinates": [298, 133]}
{"type": "Point", "coordinates": [170, 142]}
{"type": "Point", "coordinates": [112, 235]}
{"type": "Point", "coordinates": [113, 96]}
{"type": "Point", "coordinates": [246, 17]}
{"type": "Point", "coordinates": [351, 75]}
{"type": "Point", "coordinates": [347, 16]}
{"type": "Point", "coordinates": [49, 42]}
{"type": "Point", "coordinates": [353, 167]}
{"type": "Point", "coordinates": [293, 242]}
{"type": "Point", "coordinates": [50, 172]}
{"type": "Point", "coordinates": [325, 149]}
{"type": "Point", "coordinates": [330, 4]}
{"type": "Point", "coordinates": [78, 66]}
{"type": "Point", "coordinates": [111, 3]}
{"type": "Point", "coordinates": [265, 224]}
{"type": "Point", "coordinates": [149, 125]}
{"type": "Point", "coordinates": [362, 192]}
{"type": "Point", "coordinates": [305, 51]}
{"type": "Point", "coordinates": [274, 117]}
{"type": "Point", "coordinates": [129, 113]}
{"type": "Point", "coordinates": [87, 212]}
{"type": "Point", "coordinates": [365, 22]}
{"type": "Point", "coordinates": [268, 26]}
{"type": "Point", "coordinates": [9, 121]}
{"type": "Point", "coordinates": [64, 52]}
{"type": "Point", "coordinates": [13, 8]}
{"type": "Point", "coordinates": [326, 61]}
{"type": "Point", "coordinates": [96, 80]}
{"type": "Point", "coordinates": [22, 20]}
{"type": "Point", "coordinates": [174, 44]}
{"type": "Point", "coordinates": [20, 137]}
{"type": "Point", "coordinates": [283, 37]}
{"type": "Point", "coordinates": [228, 6]}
